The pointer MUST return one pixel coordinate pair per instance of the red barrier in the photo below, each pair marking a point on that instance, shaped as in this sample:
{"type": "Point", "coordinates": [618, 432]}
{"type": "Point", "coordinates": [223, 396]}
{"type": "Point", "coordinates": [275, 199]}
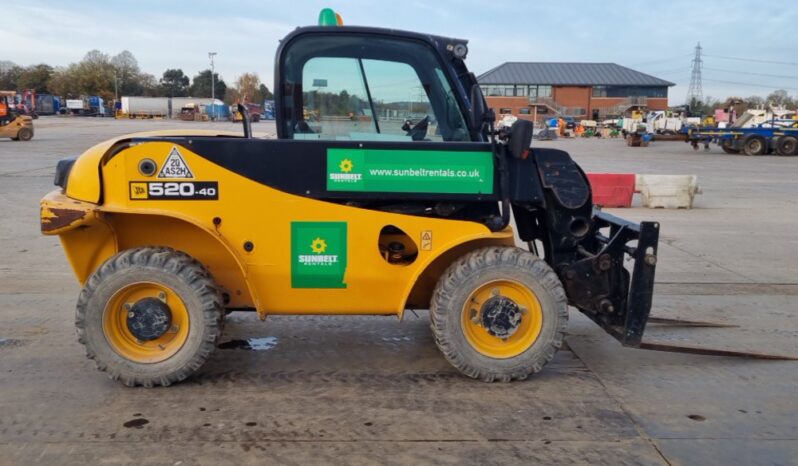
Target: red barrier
{"type": "Point", "coordinates": [612, 189]}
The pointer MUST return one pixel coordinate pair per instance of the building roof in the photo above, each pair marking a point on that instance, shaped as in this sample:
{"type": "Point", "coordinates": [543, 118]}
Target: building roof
{"type": "Point", "coordinates": [569, 74]}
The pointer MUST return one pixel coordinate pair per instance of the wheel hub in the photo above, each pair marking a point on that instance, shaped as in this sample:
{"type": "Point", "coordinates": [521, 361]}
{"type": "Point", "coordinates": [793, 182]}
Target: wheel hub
{"type": "Point", "coordinates": [501, 316]}
{"type": "Point", "coordinates": [149, 319]}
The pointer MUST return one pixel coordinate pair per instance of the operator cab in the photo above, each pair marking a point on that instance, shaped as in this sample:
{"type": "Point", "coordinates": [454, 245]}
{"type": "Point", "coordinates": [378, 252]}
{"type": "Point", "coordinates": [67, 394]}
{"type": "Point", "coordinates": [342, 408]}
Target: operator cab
{"type": "Point", "coordinates": [7, 110]}
{"type": "Point", "coordinates": [370, 84]}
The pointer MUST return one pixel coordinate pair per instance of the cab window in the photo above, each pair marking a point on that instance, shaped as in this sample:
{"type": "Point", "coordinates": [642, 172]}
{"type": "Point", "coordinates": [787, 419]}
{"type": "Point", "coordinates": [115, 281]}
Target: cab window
{"type": "Point", "coordinates": [368, 88]}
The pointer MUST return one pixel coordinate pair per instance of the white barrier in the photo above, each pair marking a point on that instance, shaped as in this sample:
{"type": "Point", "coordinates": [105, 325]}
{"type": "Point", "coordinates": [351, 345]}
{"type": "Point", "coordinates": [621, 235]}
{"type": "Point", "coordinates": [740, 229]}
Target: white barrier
{"type": "Point", "coordinates": [667, 191]}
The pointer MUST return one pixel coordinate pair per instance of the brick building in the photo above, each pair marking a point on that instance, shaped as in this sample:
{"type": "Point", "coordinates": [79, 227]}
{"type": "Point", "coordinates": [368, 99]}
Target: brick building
{"type": "Point", "coordinates": [582, 90]}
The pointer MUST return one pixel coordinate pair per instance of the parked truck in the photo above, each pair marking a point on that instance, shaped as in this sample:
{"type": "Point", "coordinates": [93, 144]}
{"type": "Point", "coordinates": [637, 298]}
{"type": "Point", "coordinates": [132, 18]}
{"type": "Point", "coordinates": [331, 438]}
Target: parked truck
{"type": "Point", "coordinates": [90, 105]}
{"type": "Point", "coordinates": [756, 132]}
{"type": "Point", "coordinates": [47, 104]}
{"type": "Point", "coordinates": [669, 123]}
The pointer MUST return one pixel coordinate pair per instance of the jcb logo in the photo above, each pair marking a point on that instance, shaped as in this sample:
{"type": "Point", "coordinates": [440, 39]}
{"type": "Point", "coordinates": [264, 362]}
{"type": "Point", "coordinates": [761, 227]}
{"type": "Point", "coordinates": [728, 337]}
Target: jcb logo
{"type": "Point", "coordinates": [138, 190]}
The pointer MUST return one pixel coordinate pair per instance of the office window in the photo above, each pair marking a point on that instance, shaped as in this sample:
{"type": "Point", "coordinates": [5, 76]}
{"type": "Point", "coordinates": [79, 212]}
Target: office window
{"type": "Point", "coordinates": [520, 91]}
{"type": "Point", "coordinates": [505, 111]}
{"type": "Point", "coordinates": [630, 91]}
{"type": "Point", "coordinates": [533, 92]}
{"type": "Point", "coordinates": [524, 111]}
{"type": "Point", "coordinates": [494, 91]}
{"type": "Point", "coordinates": [544, 91]}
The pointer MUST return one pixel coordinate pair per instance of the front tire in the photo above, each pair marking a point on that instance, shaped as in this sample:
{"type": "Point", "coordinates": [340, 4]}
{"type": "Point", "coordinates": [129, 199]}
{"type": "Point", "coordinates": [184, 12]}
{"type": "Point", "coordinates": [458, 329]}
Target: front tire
{"type": "Point", "coordinates": [149, 316]}
{"type": "Point", "coordinates": [499, 314]}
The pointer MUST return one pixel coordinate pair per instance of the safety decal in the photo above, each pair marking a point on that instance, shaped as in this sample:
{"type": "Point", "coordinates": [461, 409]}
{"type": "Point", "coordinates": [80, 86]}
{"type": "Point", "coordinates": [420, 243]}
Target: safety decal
{"type": "Point", "coordinates": [318, 254]}
{"type": "Point", "coordinates": [175, 166]}
{"type": "Point", "coordinates": [174, 190]}
{"type": "Point", "coordinates": [426, 240]}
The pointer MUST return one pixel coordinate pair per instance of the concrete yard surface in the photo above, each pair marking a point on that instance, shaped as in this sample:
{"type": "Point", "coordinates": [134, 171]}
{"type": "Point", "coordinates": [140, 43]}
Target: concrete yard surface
{"type": "Point", "coordinates": [368, 390]}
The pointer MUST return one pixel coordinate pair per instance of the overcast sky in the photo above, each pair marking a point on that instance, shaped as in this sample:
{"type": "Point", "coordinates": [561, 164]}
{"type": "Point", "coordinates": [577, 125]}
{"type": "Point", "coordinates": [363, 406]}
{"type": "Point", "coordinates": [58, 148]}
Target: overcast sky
{"type": "Point", "coordinates": [653, 37]}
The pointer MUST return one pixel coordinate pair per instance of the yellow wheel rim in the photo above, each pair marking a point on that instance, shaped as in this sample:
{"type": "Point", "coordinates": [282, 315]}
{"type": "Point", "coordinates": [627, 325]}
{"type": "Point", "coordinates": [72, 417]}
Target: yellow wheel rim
{"type": "Point", "coordinates": [122, 339]}
{"type": "Point", "coordinates": [526, 331]}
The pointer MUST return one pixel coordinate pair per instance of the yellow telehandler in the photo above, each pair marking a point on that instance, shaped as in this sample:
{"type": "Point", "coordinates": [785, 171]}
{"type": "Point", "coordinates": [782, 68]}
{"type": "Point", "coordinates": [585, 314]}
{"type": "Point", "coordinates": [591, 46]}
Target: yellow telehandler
{"type": "Point", "coordinates": [398, 194]}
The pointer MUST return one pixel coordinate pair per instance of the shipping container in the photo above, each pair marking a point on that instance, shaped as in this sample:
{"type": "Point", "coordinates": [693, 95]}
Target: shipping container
{"type": "Point", "coordinates": [218, 111]}
{"type": "Point", "coordinates": [146, 106]}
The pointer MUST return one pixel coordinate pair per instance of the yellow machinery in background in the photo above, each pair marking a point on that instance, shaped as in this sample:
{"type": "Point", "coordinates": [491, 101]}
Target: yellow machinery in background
{"type": "Point", "coordinates": [13, 125]}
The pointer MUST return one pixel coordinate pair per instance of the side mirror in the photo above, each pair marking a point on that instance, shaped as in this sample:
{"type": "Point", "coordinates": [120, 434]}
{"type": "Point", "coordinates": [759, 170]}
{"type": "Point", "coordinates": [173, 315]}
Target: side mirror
{"type": "Point", "coordinates": [520, 138]}
{"type": "Point", "coordinates": [479, 109]}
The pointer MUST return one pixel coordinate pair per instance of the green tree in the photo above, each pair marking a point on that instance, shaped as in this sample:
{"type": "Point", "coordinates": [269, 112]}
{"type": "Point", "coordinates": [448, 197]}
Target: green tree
{"type": "Point", "coordinates": [9, 73]}
{"type": "Point", "coordinates": [174, 83]}
{"type": "Point", "coordinates": [262, 94]}
{"type": "Point", "coordinates": [95, 75]}
{"type": "Point", "coordinates": [780, 98]}
{"type": "Point", "coordinates": [129, 78]}
{"type": "Point", "coordinates": [245, 89]}
{"type": "Point", "coordinates": [705, 107]}
{"type": "Point", "coordinates": [754, 101]}
{"type": "Point", "coordinates": [35, 77]}
{"type": "Point", "coordinates": [201, 85]}
{"type": "Point", "coordinates": [149, 85]}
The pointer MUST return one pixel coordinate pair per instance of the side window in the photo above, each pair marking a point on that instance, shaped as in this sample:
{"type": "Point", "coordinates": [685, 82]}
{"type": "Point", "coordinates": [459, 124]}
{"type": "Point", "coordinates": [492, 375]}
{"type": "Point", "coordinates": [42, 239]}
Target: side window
{"type": "Point", "coordinates": [399, 97]}
{"type": "Point", "coordinates": [335, 101]}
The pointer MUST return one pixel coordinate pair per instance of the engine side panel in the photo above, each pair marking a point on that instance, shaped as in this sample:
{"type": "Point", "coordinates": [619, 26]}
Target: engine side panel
{"type": "Point", "coordinates": [299, 255]}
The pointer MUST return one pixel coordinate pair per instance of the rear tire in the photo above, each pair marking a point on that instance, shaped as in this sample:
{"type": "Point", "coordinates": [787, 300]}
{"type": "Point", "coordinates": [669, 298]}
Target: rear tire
{"type": "Point", "coordinates": [727, 147]}
{"type": "Point", "coordinates": [462, 299]}
{"type": "Point", "coordinates": [25, 134]}
{"type": "Point", "coordinates": [787, 145]}
{"type": "Point", "coordinates": [135, 276]}
{"type": "Point", "coordinates": [755, 145]}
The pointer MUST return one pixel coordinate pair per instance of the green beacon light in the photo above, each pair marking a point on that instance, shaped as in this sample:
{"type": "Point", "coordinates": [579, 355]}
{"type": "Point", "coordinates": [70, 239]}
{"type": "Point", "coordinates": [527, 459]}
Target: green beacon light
{"type": "Point", "coordinates": [328, 17]}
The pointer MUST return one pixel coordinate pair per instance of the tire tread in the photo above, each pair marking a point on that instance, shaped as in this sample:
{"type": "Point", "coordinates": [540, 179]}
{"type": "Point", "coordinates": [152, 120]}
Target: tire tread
{"type": "Point", "coordinates": [450, 285]}
{"type": "Point", "coordinates": [192, 272]}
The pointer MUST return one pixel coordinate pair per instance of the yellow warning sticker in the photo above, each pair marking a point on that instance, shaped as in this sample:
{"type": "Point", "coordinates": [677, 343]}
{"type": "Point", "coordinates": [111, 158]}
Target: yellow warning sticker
{"type": "Point", "coordinates": [426, 240]}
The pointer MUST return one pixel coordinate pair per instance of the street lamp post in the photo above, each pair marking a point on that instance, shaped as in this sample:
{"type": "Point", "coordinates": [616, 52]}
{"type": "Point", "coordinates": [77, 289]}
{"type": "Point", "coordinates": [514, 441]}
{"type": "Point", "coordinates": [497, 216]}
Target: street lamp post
{"type": "Point", "coordinates": [213, 86]}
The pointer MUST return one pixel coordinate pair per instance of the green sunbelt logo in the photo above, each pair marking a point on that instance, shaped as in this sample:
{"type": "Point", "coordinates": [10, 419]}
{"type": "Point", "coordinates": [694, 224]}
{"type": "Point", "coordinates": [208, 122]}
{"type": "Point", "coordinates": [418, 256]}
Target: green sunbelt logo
{"type": "Point", "coordinates": [318, 254]}
{"type": "Point", "coordinates": [318, 246]}
{"type": "Point", "coordinates": [397, 170]}
{"type": "Point", "coordinates": [345, 174]}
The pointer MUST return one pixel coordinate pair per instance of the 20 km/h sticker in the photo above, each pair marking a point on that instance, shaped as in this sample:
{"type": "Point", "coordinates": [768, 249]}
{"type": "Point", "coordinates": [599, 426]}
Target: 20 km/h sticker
{"type": "Point", "coordinates": [174, 191]}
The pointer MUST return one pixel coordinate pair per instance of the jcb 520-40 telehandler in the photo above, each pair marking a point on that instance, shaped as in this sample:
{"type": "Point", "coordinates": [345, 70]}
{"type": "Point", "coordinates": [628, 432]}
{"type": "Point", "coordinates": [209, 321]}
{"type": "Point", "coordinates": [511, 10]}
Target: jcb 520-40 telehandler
{"type": "Point", "coordinates": [387, 189]}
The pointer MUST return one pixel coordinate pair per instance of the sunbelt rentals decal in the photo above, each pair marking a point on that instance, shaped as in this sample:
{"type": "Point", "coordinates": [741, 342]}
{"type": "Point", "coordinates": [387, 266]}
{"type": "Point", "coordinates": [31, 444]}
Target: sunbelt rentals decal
{"type": "Point", "coordinates": [424, 171]}
{"type": "Point", "coordinates": [318, 254]}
